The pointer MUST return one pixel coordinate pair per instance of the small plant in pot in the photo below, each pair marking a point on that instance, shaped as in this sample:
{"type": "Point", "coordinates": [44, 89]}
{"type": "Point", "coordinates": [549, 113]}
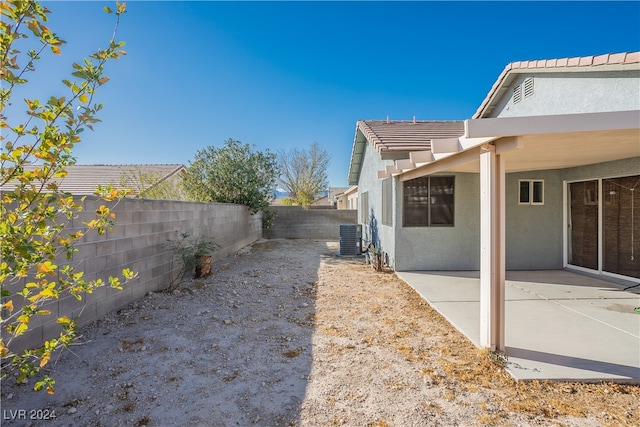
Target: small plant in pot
{"type": "Point", "coordinates": [193, 254]}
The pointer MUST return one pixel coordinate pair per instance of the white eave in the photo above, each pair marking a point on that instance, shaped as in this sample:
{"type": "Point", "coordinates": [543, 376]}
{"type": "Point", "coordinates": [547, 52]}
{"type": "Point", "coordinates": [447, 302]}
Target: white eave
{"type": "Point", "coordinates": [551, 142]}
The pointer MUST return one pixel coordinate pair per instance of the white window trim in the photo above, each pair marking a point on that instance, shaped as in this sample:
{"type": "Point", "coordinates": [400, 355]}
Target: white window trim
{"type": "Point", "coordinates": [531, 202]}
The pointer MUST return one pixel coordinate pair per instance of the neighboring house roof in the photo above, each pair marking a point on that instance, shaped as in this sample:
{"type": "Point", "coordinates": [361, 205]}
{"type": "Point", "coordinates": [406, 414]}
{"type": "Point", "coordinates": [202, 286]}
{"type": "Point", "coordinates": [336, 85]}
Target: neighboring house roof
{"type": "Point", "coordinates": [351, 190]}
{"type": "Point", "coordinates": [394, 138]}
{"type": "Point", "coordinates": [84, 179]}
{"type": "Point", "coordinates": [321, 201]}
{"type": "Point", "coordinates": [575, 64]}
{"type": "Point", "coordinates": [335, 191]}
{"type": "Point", "coordinates": [347, 191]}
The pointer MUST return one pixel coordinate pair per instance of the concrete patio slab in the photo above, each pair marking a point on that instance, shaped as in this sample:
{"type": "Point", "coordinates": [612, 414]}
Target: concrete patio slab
{"type": "Point", "coordinates": [559, 325]}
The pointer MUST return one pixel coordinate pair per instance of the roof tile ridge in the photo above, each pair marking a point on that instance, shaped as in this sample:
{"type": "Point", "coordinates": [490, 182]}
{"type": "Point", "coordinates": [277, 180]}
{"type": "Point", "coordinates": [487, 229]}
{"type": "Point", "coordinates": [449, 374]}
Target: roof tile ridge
{"type": "Point", "coordinates": [631, 58]}
{"type": "Point", "coordinates": [411, 121]}
{"type": "Point", "coordinates": [369, 133]}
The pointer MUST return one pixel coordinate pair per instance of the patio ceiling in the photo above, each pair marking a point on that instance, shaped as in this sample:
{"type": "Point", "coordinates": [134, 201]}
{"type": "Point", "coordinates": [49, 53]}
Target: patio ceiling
{"type": "Point", "coordinates": [566, 150]}
{"type": "Point", "coordinates": [532, 143]}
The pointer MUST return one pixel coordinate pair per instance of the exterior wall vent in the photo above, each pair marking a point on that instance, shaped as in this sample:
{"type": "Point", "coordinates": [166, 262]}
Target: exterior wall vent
{"type": "Point", "coordinates": [517, 94]}
{"type": "Point", "coordinates": [350, 239]}
{"type": "Point", "coordinates": [528, 87]}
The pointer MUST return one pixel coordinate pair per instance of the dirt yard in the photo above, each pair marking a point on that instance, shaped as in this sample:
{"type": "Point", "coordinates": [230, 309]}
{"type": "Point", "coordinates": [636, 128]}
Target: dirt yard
{"type": "Point", "coordinates": [288, 333]}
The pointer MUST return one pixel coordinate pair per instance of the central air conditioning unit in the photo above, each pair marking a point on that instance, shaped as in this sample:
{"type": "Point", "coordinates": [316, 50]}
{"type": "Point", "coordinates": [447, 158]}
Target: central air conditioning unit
{"type": "Point", "coordinates": [350, 239]}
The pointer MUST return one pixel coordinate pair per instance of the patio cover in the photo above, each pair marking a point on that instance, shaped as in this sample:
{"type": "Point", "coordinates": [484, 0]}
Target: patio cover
{"type": "Point", "coordinates": [496, 146]}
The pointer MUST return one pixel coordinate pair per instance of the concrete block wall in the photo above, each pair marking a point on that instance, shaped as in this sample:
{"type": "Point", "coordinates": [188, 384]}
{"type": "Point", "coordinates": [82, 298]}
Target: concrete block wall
{"type": "Point", "coordinates": [138, 241]}
{"type": "Point", "coordinates": [294, 222]}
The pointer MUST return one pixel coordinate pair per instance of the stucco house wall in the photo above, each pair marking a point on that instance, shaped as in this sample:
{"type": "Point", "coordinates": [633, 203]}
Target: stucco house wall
{"type": "Point", "coordinates": [571, 93]}
{"type": "Point", "coordinates": [443, 248]}
{"type": "Point", "coordinates": [371, 185]}
{"type": "Point", "coordinates": [533, 235]}
{"type": "Point", "coordinates": [534, 232]}
{"type": "Point", "coordinates": [603, 170]}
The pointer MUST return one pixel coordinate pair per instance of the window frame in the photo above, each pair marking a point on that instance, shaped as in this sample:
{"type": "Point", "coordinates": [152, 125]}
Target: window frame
{"type": "Point", "coordinates": [429, 205]}
{"type": "Point", "coordinates": [531, 193]}
{"type": "Point", "coordinates": [387, 202]}
{"type": "Point", "coordinates": [364, 210]}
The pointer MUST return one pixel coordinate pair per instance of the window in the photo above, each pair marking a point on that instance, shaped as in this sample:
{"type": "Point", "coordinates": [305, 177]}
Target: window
{"type": "Point", "coordinates": [531, 192]}
{"type": "Point", "coordinates": [387, 201]}
{"type": "Point", "coordinates": [364, 207]}
{"type": "Point", "coordinates": [428, 201]}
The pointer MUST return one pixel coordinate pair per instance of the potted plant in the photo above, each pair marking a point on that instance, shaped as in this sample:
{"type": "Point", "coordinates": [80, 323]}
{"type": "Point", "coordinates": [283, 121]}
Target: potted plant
{"type": "Point", "coordinates": [193, 254]}
{"type": "Point", "coordinates": [202, 248]}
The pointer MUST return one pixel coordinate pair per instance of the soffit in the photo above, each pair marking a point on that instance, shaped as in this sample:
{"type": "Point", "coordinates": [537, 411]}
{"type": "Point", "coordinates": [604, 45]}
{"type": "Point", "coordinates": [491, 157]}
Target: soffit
{"type": "Point", "coordinates": [566, 150]}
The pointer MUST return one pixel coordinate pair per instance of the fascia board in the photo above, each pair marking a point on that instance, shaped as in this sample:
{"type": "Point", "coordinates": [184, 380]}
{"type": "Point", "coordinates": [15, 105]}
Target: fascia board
{"type": "Point", "coordinates": [561, 123]}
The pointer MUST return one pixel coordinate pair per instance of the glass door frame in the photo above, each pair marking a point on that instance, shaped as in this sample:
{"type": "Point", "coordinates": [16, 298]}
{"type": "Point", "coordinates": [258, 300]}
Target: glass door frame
{"type": "Point", "coordinates": [566, 220]}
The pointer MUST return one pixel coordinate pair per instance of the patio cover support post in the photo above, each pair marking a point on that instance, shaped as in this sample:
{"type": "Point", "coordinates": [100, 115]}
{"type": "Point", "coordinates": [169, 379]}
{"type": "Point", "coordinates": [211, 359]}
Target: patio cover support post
{"type": "Point", "coordinates": [492, 243]}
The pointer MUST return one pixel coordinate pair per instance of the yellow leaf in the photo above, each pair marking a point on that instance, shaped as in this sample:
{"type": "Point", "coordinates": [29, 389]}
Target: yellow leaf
{"type": "Point", "coordinates": [64, 320]}
{"type": "Point", "coordinates": [48, 293]}
{"type": "Point", "coordinates": [83, 98]}
{"type": "Point", "coordinates": [21, 329]}
{"type": "Point", "coordinates": [45, 359]}
{"type": "Point", "coordinates": [45, 267]}
{"type": "Point", "coordinates": [9, 305]}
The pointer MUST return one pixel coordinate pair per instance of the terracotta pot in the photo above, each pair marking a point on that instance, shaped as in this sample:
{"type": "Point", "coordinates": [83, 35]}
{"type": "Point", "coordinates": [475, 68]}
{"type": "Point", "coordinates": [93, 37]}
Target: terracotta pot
{"type": "Point", "coordinates": [203, 269]}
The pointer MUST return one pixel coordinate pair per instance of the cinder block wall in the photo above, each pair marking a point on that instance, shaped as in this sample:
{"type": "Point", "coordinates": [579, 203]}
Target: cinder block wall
{"type": "Point", "coordinates": [294, 222]}
{"type": "Point", "coordinates": [139, 242]}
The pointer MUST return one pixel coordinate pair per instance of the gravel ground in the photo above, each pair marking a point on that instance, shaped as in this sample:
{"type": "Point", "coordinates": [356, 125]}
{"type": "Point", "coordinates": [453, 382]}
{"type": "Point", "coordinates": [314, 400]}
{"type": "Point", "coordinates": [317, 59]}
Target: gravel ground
{"type": "Point", "coordinates": [287, 333]}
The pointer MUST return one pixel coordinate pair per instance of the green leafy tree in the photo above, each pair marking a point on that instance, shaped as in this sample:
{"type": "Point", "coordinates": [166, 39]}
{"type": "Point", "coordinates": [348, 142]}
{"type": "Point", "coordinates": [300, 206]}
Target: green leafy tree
{"type": "Point", "coordinates": [234, 173]}
{"type": "Point", "coordinates": [304, 173]}
{"type": "Point", "coordinates": [37, 243]}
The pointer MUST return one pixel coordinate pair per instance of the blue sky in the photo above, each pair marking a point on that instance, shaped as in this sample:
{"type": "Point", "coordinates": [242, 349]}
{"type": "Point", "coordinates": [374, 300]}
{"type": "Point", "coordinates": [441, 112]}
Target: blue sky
{"type": "Point", "coordinates": [284, 75]}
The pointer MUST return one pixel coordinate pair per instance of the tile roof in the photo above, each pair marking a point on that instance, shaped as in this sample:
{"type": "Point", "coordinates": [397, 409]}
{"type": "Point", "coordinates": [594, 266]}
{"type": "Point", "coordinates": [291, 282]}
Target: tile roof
{"type": "Point", "coordinates": [398, 136]}
{"type": "Point", "coordinates": [582, 63]}
{"type": "Point", "coordinates": [395, 135]}
{"type": "Point", "coordinates": [84, 179]}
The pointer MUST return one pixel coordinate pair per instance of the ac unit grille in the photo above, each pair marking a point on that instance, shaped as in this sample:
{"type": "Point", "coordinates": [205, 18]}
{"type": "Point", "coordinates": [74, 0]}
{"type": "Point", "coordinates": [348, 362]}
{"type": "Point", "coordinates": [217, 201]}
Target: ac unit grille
{"type": "Point", "coordinates": [350, 239]}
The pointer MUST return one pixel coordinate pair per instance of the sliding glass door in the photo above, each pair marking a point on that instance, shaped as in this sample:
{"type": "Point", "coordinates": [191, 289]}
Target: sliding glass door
{"type": "Point", "coordinates": [621, 225]}
{"type": "Point", "coordinates": [608, 208]}
{"type": "Point", "coordinates": [583, 224]}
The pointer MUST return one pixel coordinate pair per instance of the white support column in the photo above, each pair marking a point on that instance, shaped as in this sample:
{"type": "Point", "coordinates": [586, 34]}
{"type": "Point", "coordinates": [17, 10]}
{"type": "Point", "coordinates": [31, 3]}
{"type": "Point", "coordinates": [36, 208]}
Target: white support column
{"type": "Point", "coordinates": [492, 243]}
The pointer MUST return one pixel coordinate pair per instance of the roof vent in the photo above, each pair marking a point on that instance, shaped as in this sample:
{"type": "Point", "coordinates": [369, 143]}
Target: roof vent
{"type": "Point", "coordinates": [528, 87]}
{"type": "Point", "coordinates": [517, 94]}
